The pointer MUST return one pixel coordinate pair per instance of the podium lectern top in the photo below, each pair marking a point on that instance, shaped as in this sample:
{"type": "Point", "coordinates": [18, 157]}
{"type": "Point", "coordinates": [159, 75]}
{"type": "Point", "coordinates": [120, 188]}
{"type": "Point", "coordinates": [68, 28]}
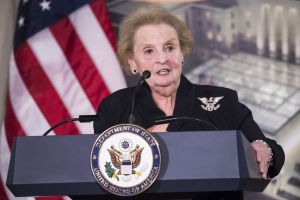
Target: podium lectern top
{"type": "Point", "coordinates": [191, 162]}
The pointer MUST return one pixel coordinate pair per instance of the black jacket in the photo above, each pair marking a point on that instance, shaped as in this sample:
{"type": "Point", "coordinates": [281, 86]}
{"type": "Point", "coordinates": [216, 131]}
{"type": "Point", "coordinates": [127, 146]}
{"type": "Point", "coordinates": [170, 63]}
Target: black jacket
{"type": "Point", "coordinates": [230, 115]}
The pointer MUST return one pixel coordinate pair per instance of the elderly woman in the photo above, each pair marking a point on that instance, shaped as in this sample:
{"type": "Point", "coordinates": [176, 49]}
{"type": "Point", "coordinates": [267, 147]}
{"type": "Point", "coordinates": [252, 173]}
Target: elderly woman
{"type": "Point", "coordinates": [155, 40]}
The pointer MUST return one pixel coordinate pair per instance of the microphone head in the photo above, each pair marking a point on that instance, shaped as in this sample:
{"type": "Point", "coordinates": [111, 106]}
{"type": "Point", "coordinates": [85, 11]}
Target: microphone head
{"type": "Point", "coordinates": [146, 74]}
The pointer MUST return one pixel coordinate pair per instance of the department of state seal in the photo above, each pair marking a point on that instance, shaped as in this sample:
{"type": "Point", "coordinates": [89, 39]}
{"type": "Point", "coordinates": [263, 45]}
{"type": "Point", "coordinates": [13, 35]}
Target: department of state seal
{"type": "Point", "coordinates": [125, 160]}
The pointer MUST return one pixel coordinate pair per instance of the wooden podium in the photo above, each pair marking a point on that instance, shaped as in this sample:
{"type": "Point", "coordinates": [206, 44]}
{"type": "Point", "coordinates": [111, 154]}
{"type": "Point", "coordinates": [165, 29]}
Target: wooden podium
{"type": "Point", "coordinates": [192, 162]}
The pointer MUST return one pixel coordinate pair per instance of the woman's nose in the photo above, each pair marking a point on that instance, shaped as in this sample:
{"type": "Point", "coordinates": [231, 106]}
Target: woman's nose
{"type": "Point", "coordinates": [162, 58]}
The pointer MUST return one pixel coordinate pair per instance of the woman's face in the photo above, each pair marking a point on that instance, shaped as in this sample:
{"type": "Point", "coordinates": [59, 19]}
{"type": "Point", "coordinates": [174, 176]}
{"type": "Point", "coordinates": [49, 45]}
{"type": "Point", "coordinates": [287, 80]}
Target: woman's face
{"type": "Point", "coordinates": [157, 49]}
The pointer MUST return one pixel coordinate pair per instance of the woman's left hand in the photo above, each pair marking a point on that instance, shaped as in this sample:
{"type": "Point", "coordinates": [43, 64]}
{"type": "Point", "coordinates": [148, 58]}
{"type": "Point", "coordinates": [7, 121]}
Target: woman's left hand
{"type": "Point", "coordinates": [263, 155]}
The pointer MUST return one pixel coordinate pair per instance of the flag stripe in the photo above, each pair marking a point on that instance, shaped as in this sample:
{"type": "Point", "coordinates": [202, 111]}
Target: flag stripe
{"type": "Point", "coordinates": [12, 125]}
{"type": "Point", "coordinates": [4, 160]}
{"type": "Point", "coordinates": [2, 191]}
{"type": "Point", "coordinates": [98, 47]}
{"type": "Point", "coordinates": [101, 13]}
{"type": "Point", "coordinates": [88, 77]}
{"type": "Point", "coordinates": [61, 76]}
{"type": "Point", "coordinates": [37, 83]}
{"type": "Point", "coordinates": [28, 112]}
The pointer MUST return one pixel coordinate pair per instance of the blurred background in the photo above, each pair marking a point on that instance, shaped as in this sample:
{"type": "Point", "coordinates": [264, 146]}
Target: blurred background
{"type": "Point", "coordinates": [252, 46]}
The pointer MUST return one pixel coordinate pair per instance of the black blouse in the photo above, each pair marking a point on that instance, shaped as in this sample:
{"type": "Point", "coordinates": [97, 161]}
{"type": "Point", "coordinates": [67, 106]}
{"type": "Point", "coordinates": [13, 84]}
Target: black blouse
{"type": "Point", "coordinates": [228, 113]}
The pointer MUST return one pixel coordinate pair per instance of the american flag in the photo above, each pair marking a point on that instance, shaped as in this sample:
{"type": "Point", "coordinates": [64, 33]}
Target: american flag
{"type": "Point", "coordinates": [62, 65]}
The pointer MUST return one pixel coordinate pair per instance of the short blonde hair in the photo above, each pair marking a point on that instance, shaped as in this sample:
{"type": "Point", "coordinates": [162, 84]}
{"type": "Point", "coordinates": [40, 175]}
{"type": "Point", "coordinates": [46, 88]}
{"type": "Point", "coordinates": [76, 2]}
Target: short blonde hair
{"type": "Point", "coordinates": [145, 16]}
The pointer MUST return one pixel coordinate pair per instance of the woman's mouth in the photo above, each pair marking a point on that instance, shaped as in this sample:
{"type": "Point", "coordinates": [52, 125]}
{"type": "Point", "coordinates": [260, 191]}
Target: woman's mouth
{"type": "Point", "coordinates": [163, 71]}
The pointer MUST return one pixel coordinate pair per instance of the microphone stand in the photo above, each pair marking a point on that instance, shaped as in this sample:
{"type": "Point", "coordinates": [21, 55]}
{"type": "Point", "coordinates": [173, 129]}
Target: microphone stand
{"type": "Point", "coordinates": [169, 119]}
{"type": "Point", "coordinates": [146, 74]}
{"type": "Point", "coordinates": [81, 119]}
{"type": "Point", "coordinates": [59, 124]}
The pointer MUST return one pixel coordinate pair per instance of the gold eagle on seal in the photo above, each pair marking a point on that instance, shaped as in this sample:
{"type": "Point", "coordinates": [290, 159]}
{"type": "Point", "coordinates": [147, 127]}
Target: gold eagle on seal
{"type": "Point", "coordinates": [126, 162]}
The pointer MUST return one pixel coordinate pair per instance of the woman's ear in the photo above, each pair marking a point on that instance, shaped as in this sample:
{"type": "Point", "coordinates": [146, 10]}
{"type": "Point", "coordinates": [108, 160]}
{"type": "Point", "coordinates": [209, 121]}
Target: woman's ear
{"type": "Point", "coordinates": [182, 57]}
{"type": "Point", "coordinates": [132, 65]}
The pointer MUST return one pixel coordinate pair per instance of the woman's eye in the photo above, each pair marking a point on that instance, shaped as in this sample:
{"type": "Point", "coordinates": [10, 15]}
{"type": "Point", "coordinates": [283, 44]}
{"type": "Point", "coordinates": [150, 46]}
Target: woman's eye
{"type": "Point", "coordinates": [148, 51]}
{"type": "Point", "coordinates": [170, 48]}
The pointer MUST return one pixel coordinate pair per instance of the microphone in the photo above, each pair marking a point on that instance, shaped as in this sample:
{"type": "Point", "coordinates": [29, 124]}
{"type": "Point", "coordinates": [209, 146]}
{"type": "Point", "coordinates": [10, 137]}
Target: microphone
{"type": "Point", "coordinates": [146, 74]}
{"type": "Point", "coordinates": [168, 119]}
{"type": "Point", "coordinates": [81, 119]}
{"type": "Point", "coordinates": [88, 118]}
